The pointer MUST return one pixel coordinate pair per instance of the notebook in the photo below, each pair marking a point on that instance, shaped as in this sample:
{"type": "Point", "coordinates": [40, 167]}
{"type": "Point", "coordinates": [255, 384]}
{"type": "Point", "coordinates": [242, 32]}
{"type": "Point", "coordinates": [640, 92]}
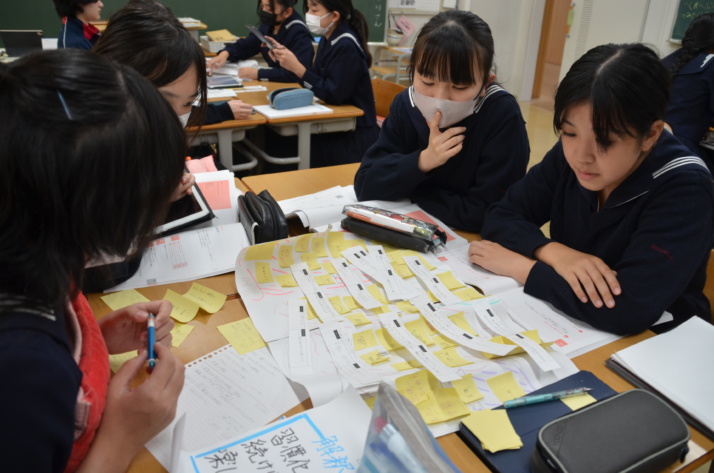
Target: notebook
{"type": "Point", "coordinates": [21, 42]}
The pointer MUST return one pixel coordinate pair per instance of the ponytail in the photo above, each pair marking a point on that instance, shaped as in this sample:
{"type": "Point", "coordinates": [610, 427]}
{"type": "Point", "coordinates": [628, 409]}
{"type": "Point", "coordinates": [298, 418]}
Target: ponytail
{"type": "Point", "coordinates": [698, 38]}
{"type": "Point", "coordinates": [354, 18]}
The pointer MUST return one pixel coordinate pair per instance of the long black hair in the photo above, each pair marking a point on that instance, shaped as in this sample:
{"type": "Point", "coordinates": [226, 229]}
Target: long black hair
{"type": "Point", "coordinates": [90, 153]}
{"type": "Point", "coordinates": [70, 8]}
{"type": "Point", "coordinates": [698, 38]}
{"type": "Point", "coordinates": [353, 17]}
{"type": "Point", "coordinates": [626, 85]}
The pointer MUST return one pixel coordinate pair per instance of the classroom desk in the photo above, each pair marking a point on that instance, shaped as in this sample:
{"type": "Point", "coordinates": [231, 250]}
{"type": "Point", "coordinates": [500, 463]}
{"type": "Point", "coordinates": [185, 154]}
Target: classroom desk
{"type": "Point", "coordinates": [342, 118]}
{"type": "Point", "coordinates": [224, 134]}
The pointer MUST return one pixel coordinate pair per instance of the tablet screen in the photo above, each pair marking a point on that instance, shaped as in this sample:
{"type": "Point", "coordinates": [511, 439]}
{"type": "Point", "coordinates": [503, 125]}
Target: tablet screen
{"type": "Point", "coordinates": [260, 36]}
{"type": "Point", "coordinates": [191, 209]}
{"type": "Point", "coordinates": [217, 81]}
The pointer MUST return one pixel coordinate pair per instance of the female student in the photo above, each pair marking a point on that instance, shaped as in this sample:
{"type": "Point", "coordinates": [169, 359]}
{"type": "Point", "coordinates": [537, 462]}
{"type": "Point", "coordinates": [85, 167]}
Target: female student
{"type": "Point", "coordinates": [77, 31]}
{"type": "Point", "coordinates": [279, 20]}
{"type": "Point", "coordinates": [81, 178]}
{"type": "Point", "coordinates": [339, 75]}
{"type": "Point", "coordinates": [631, 210]}
{"type": "Point", "coordinates": [691, 110]}
{"type": "Point", "coordinates": [454, 141]}
{"type": "Point", "coordinates": [169, 57]}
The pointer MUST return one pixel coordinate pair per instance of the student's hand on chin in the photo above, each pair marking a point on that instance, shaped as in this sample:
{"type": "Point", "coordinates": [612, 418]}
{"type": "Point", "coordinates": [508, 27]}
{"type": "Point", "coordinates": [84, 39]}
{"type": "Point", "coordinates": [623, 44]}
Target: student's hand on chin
{"type": "Point", "coordinates": [499, 260]}
{"type": "Point", "coordinates": [442, 145]}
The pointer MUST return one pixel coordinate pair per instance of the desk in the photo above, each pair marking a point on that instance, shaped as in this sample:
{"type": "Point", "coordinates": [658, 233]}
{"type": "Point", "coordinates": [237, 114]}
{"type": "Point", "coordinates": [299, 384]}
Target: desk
{"type": "Point", "coordinates": [343, 118]}
{"type": "Point", "coordinates": [224, 134]}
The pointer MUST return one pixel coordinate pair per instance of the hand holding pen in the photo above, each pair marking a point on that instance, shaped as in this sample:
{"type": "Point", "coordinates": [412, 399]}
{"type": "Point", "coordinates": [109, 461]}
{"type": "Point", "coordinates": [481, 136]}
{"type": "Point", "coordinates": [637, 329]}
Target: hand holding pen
{"type": "Point", "coordinates": [126, 329]}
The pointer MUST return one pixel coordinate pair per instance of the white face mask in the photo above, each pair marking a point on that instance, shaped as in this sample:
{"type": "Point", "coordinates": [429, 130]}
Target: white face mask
{"type": "Point", "coordinates": [184, 119]}
{"type": "Point", "coordinates": [451, 111]}
{"type": "Point", "coordinates": [313, 24]}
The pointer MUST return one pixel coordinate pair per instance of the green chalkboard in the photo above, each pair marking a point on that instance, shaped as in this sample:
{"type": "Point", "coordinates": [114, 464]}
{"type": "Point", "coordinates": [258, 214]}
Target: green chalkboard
{"type": "Point", "coordinates": [686, 12]}
{"type": "Point", "coordinates": [216, 14]}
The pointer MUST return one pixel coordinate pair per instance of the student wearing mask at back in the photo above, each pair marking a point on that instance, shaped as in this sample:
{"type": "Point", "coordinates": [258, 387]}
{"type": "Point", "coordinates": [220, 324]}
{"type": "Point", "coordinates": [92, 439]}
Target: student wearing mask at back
{"type": "Point", "coordinates": [455, 141]}
{"type": "Point", "coordinates": [339, 75]}
{"type": "Point", "coordinates": [77, 31]}
{"type": "Point", "coordinates": [279, 20]}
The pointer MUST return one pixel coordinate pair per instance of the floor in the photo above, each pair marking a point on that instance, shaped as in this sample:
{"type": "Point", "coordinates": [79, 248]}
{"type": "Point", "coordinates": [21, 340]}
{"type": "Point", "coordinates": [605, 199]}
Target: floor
{"type": "Point", "coordinates": [538, 114]}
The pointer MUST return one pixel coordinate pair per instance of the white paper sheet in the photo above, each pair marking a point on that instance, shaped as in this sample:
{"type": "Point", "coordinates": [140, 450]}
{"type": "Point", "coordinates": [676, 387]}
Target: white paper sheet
{"type": "Point", "coordinates": [224, 395]}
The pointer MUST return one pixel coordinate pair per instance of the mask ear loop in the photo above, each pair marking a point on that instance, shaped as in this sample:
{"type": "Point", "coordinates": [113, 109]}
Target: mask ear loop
{"type": "Point", "coordinates": [64, 105]}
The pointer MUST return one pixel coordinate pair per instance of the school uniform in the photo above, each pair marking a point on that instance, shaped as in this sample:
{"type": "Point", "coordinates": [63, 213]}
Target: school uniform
{"type": "Point", "coordinates": [656, 230]}
{"type": "Point", "coordinates": [217, 113]}
{"type": "Point", "coordinates": [340, 75]}
{"type": "Point", "coordinates": [494, 155]}
{"type": "Point", "coordinates": [77, 34]}
{"type": "Point", "coordinates": [691, 107]}
{"type": "Point", "coordinates": [55, 386]}
{"type": "Point", "coordinates": [293, 34]}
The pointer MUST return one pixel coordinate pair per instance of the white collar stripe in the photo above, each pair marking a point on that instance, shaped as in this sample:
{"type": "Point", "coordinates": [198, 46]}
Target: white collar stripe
{"type": "Point", "coordinates": [678, 163]}
{"type": "Point", "coordinates": [348, 35]}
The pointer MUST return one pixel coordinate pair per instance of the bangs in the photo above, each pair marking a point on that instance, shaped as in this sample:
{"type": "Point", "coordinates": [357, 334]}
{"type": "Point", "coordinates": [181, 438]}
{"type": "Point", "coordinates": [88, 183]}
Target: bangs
{"type": "Point", "coordinates": [449, 56]}
{"type": "Point", "coordinates": [609, 111]}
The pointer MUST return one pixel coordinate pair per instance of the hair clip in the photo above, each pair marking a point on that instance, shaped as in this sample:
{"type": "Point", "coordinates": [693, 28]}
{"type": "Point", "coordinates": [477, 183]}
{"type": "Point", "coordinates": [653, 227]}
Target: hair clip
{"type": "Point", "coordinates": [64, 105]}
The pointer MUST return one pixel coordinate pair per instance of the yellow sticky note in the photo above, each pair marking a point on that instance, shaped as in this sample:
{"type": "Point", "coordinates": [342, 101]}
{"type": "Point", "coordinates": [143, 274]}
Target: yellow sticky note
{"type": "Point", "coordinates": [328, 267]}
{"type": "Point", "coordinates": [318, 247]}
{"type": "Point", "coordinates": [417, 387]}
{"type": "Point", "coordinates": [121, 299]}
{"type": "Point", "coordinates": [311, 261]}
{"type": "Point", "coordinates": [403, 270]}
{"type": "Point", "coordinates": [407, 307]}
{"type": "Point", "coordinates": [286, 280]}
{"type": "Point", "coordinates": [263, 273]}
{"type": "Point", "coordinates": [377, 293]}
{"type": "Point", "coordinates": [381, 310]}
{"type": "Point", "coordinates": [242, 335]}
{"type": "Point", "coordinates": [311, 314]}
{"type": "Point", "coordinates": [467, 293]}
{"type": "Point", "coordinates": [209, 300]}
{"type": "Point", "coordinates": [461, 322]}
{"type": "Point", "coordinates": [336, 302]}
{"type": "Point", "coordinates": [370, 400]}
{"type": "Point", "coordinates": [303, 243]}
{"type": "Point", "coordinates": [184, 309]}
{"type": "Point", "coordinates": [505, 386]}
{"type": "Point", "coordinates": [364, 339]}
{"type": "Point", "coordinates": [179, 334]}
{"type": "Point", "coordinates": [576, 402]}
{"type": "Point", "coordinates": [466, 389]}
{"type": "Point", "coordinates": [402, 366]}
{"type": "Point", "coordinates": [115, 361]}
{"type": "Point", "coordinates": [449, 280]}
{"type": "Point", "coordinates": [324, 280]}
{"type": "Point", "coordinates": [442, 341]}
{"type": "Point", "coordinates": [494, 429]}
{"type": "Point", "coordinates": [386, 340]}
{"type": "Point", "coordinates": [432, 297]}
{"type": "Point", "coordinates": [350, 303]}
{"type": "Point", "coordinates": [428, 265]}
{"type": "Point", "coordinates": [445, 405]}
{"type": "Point", "coordinates": [336, 243]}
{"type": "Point", "coordinates": [358, 318]}
{"type": "Point", "coordinates": [285, 256]}
{"type": "Point", "coordinates": [532, 334]}
{"type": "Point", "coordinates": [257, 252]}
{"type": "Point", "coordinates": [375, 357]}
{"type": "Point", "coordinates": [450, 357]}
{"type": "Point", "coordinates": [418, 329]}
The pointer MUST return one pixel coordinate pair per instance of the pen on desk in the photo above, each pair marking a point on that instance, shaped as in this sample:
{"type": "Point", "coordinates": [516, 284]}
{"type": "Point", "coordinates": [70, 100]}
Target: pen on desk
{"type": "Point", "coordinates": [151, 340]}
{"type": "Point", "coordinates": [525, 400]}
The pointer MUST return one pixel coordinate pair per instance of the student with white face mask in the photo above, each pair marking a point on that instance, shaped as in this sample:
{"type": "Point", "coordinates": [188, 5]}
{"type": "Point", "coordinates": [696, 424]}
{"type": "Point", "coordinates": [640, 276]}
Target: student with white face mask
{"type": "Point", "coordinates": [339, 75]}
{"type": "Point", "coordinates": [453, 142]}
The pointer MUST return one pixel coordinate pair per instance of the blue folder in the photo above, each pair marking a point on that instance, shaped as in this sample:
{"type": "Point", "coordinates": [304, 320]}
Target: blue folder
{"type": "Point", "coordinates": [528, 420]}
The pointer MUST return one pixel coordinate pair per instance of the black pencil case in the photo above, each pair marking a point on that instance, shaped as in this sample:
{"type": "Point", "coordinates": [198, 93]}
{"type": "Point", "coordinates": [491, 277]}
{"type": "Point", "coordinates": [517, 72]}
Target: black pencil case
{"type": "Point", "coordinates": [392, 237]}
{"type": "Point", "coordinates": [262, 217]}
{"type": "Point", "coordinates": [634, 432]}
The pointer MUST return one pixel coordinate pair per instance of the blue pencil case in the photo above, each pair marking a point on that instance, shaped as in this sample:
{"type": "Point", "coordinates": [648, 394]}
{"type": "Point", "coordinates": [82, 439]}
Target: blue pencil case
{"type": "Point", "coordinates": [284, 99]}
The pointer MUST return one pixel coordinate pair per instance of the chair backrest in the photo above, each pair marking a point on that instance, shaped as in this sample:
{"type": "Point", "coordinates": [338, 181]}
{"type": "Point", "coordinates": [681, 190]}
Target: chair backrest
{"type": "Point", "coordinates": [709, 285]}
{"type": "Point", "coordinates": [384, 93]}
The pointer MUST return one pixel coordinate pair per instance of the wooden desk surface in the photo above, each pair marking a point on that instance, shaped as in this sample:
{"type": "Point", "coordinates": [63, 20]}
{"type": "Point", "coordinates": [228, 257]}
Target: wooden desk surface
{"type": "Point", "coordinates": [251, 122]}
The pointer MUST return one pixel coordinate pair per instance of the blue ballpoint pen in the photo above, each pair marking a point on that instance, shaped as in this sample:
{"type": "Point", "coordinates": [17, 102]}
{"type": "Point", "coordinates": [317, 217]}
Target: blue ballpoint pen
{"type": "Point", "coordinates": [151, 336]}
{"type": "Point", "coordinates": [525, 400]}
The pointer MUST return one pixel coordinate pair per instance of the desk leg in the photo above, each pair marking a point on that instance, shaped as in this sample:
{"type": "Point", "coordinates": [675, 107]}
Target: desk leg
{"type": "Point", "coordinates": [225, 148]}
{"type": "Point", "coordinates": [304, 144]}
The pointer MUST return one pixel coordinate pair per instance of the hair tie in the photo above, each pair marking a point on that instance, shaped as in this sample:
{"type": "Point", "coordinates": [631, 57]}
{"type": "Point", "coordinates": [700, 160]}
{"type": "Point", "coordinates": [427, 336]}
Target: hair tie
{"type": "Point", "coordinates": [64, 105]}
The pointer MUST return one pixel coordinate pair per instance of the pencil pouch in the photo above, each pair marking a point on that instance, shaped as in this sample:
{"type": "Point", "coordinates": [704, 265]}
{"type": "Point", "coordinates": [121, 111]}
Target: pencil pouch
{"type": "Point", "coordinates": [633, 432]}
{"type": "Point", "coordinates": [387, 235]}
{"type": "Point", "coordinates": [284, 99]}
{"type": "Point", "coordinates": [262, 217]}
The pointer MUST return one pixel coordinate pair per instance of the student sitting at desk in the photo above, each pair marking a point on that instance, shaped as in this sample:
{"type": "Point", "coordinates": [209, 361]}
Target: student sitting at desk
{"type": "Point", "coordinates": [339, 75]}
{"type": "Point", "coordinates": [691, 109]}
{"type": "Point", "coordinates": [454, 141]}
{"type": "Point", "coordinates": [631, 209]}
{"type": "Point", "coordinates": [146, 35]}
{"type": "Point", "coordinates": [279, 20]}
{"type": "Point", "coordinates": [81, 178]}
{"type": "Point", "coordinates": [77, 31]}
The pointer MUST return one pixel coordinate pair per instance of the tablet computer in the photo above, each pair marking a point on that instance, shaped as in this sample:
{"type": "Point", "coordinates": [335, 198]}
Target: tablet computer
{"type": "Point", "coordinates": [189, 210]}
{"type": "Point", "coordinates": [260, 36]}
{"type": "Point", "coordinates": [21, 42]}
{"type": "Point", "coordinates": [218, 81]}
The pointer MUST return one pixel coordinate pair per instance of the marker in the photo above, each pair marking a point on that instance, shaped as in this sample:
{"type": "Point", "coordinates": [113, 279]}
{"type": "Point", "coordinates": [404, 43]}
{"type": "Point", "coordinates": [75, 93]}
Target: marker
{"type": "Point", "coordinates": [151, 332]}
{"type": "Point", "coordinates": [525, 400]}
{"type": "Point", "coordinates": [397, 446]}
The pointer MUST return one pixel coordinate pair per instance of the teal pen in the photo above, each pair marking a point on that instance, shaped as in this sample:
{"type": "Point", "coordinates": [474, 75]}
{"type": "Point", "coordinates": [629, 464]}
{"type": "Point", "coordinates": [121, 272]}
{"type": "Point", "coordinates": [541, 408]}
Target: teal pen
{"type": "Point", "coordinates": [151, 340]}
{"type": "Point", "coordinates": [525, 400]}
